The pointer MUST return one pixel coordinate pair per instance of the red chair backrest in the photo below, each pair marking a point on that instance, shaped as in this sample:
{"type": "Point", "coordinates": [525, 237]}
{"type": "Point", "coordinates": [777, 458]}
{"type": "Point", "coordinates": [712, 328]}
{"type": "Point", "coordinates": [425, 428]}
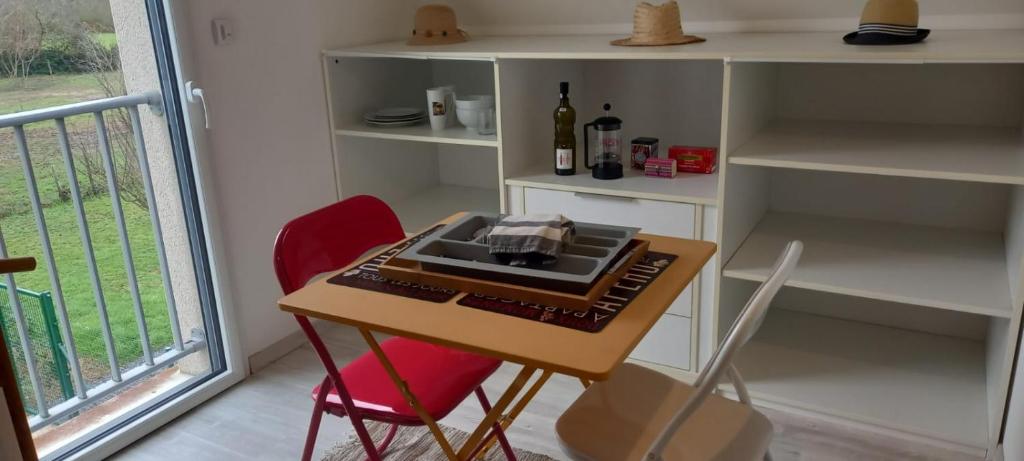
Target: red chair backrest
{"type": "Point", "coordinates": [326, 240]}
{"type": "Point", "coordinates": [331, 238]}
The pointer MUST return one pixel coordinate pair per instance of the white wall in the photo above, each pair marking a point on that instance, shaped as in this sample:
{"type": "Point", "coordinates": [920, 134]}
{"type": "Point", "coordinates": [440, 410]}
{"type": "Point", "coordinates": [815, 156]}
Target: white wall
{"type": "Point", "coordinates": [269, 143]}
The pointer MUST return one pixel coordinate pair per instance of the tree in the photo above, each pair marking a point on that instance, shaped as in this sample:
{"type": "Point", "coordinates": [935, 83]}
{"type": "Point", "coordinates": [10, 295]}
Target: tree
{"type": "Point", "coordinates": [23, 28]}
{"type": "Point", "coordinates": [104, 64]}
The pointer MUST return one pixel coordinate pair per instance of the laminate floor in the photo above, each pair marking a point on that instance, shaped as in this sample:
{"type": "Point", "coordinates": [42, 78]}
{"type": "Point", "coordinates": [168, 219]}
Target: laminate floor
{"type": "Point", "coordinates": [265, 418]}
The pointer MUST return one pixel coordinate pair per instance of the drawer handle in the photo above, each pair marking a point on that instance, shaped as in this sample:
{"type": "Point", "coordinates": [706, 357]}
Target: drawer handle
{"type": "Point", "coordinates": [604, 197]}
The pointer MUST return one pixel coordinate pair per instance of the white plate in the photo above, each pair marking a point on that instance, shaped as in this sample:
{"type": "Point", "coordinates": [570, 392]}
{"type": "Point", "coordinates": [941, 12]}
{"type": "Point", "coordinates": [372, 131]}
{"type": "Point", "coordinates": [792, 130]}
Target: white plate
{"type": "Point", "coordinates": [387, 120]}
{"type": "Point", "coordinates": [394, 113]}
{"type": "Point", "coordinates": [394, 124]}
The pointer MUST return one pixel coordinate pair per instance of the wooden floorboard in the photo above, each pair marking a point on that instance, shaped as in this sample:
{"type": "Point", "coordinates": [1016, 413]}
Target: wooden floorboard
{"type": "Point", "coordinates": [265, 418]}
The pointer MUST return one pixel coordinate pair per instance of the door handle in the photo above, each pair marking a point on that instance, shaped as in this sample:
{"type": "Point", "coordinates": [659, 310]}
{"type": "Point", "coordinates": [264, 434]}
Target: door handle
{"type": "Point", "coordinates": [604, 197]}
{"type": "Point", "coordinates": [192, 93]}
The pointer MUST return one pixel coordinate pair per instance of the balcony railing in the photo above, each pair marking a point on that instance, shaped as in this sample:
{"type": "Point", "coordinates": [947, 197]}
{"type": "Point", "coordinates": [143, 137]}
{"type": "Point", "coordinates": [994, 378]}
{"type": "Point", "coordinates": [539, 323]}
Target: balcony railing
{"type": "Point", "coordinates": [84, 394]}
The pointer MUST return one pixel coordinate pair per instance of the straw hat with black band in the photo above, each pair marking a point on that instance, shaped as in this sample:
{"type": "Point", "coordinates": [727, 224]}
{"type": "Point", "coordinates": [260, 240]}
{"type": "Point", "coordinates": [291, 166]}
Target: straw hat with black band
{"type": "Point", "coordinates": [657, 25]}
{"type": "Point", "coordinates": [436, 25]}
{"type": "Point", "coordinates": [888, 22]}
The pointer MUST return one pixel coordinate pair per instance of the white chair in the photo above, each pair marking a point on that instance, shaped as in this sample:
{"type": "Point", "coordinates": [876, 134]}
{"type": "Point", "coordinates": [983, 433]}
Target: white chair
{"type": "Point", "coordinates": [641, 414]}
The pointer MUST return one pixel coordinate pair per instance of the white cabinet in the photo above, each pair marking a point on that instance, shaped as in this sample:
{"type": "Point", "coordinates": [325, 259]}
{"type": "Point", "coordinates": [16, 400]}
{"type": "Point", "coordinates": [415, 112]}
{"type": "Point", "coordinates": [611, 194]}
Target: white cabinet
{"type": "Point", "coordinates": [669, 341]}
{"type": "Point", "coordinates": [657, 217]}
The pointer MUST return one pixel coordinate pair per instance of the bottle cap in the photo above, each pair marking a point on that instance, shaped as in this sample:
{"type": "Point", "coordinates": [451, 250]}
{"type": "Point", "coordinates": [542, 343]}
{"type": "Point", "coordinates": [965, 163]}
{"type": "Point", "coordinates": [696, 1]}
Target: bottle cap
{"type": "Point", "coordinates": [563, 88]}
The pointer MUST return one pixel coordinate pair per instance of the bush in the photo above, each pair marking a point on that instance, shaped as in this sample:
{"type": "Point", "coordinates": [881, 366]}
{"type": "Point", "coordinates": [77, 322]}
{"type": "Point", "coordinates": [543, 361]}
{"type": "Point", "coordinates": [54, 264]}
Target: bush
{"type": "Point", "coordinates": [69, 55]}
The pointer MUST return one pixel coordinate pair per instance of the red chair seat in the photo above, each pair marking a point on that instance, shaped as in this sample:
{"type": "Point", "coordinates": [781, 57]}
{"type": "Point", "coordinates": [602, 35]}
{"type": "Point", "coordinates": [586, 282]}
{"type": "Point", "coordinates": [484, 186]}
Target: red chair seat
{"type": "Point", "coordinates": [440, 377]}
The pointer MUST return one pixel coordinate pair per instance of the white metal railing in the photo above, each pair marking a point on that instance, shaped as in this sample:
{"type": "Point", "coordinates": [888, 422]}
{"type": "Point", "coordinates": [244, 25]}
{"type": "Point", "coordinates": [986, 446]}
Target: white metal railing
{"type": "Point", "coordinates": [84, 396]}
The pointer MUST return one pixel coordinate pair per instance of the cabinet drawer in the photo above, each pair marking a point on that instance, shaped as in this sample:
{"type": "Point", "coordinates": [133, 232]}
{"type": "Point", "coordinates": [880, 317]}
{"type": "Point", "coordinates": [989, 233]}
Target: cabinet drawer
{"type": "Point", "coordinates": [652, 216]}
{"type": "Point", "coordinates": [668, 343]}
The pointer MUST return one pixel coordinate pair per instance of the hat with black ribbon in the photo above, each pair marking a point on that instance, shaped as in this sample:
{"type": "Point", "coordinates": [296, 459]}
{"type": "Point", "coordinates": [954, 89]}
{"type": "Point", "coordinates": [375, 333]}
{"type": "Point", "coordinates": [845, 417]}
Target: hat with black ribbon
{"type": "Point", "coordinates": [888, 22]}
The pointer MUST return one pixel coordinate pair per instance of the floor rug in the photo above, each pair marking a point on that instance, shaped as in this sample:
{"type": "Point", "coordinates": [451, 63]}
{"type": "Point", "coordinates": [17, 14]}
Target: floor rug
{"type": "Point", "coordinates": [416, 443]}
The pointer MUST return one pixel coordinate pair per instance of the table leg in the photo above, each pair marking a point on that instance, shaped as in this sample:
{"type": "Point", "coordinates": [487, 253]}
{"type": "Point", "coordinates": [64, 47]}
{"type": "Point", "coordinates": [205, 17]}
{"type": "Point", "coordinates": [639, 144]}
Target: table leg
{"type": "Point", "coordinates": [499, 408]}
{"type": "Point", "coordinates": [518, 408]}
{"type": "Point", "coordinates": [403, 387]}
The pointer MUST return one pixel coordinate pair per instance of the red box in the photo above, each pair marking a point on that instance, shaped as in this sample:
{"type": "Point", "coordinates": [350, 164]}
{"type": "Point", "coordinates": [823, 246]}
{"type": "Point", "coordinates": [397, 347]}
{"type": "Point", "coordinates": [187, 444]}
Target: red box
{"type": "Point", "coordinates": [694, 159]}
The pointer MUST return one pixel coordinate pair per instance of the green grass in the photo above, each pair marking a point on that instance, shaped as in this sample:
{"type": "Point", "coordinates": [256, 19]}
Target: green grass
{"type": "Point", "coordinates": [20, 233]}
{"type": "Point", "coordinates": [37, 92]}
{"type": "Point", "coordinates": [22, 239]}
{"type": "Point", "coordinates": [107, 39]}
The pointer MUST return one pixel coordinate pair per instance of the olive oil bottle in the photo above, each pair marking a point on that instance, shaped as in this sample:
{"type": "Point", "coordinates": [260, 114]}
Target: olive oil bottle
{"type": "Point", "coordinates": [565, 133]}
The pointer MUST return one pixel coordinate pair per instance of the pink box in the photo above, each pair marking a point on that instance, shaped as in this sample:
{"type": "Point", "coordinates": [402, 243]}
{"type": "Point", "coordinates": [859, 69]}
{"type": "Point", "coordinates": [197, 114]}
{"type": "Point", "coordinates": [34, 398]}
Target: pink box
{"type": "Point", "coordinates": [660, 167]}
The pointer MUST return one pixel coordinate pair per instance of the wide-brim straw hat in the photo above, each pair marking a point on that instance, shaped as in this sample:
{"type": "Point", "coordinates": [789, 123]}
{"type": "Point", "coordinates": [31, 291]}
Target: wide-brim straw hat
{"type": "Point", "coordinates": [657, 25]}
{"type": "Point", "coordinates": [888, 22]}
{"type": "Point", "coordinates": [436, 25]}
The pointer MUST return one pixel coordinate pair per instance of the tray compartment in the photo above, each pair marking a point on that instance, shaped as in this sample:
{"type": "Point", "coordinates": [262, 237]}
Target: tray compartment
{"type": "Point", "coordinates": [454, 251]}
{"type": "Point", "coordinates": [398, 268]}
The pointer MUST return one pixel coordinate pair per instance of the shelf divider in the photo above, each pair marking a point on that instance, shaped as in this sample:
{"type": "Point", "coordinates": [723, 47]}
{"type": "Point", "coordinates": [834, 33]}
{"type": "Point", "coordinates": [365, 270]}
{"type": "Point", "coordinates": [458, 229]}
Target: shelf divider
{"type": "Point", "coordinates": [951, 152]}
{"type": "Point", "coordinates": [686, 187]}
{"type": "Point", "coordinates": [958, 270]}
{"type": "Point", "coordinates": [922, 384]}
{"type": "Point", "coordinates": [421, 133]}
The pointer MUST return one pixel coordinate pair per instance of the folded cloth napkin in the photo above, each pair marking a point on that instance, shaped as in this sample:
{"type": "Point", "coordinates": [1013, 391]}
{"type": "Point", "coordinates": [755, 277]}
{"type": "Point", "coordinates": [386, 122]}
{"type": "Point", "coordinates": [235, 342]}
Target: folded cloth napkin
{"type": "Point", "coordinates": [530, 239]}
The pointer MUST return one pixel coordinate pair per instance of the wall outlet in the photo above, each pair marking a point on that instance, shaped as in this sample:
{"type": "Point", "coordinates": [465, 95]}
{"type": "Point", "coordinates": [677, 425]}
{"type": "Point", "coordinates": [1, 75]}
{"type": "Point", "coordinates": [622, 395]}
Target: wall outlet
{"type": "Point", "coordinates": [223, 32]}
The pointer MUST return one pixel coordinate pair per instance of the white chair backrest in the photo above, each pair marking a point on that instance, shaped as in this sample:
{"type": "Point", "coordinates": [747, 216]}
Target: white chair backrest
{"type": "Point", "coordinates": [746, 324]}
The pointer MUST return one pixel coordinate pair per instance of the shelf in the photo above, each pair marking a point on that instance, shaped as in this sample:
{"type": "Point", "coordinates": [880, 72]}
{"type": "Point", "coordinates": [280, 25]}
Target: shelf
{"type": "Point", "coordinates": [421, 133]}
{"type": "Point", "coordinates": [958, 270]}
{"type": "Point", "coordinates": [432, 205]}
{"type": "Point", "coordinates": [963, 153]}
{"type": "Point", "coordinates": [923, 384]}
{"type": "Point", "coordinates": [686, 187]}
{"type": "Point", "coordinates": [973, 46]}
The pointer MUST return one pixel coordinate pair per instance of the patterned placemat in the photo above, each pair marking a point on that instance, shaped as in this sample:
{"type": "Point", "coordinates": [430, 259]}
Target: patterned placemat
{"type": "Point", "coordinates": [639, 277]}
{"type": "Point", "coordinates": [366, 276]}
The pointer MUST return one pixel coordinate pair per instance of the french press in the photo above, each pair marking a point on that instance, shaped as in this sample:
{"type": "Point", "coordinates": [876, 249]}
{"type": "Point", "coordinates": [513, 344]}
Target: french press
{"type": "Point", "coordinates": [607, 139]}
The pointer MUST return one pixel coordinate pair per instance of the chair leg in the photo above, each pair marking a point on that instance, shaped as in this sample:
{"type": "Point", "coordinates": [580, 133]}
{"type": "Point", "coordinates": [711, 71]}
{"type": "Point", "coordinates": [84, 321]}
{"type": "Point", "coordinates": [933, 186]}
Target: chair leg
{"type": "Point", "coordinates": [768, 456]}
{"type": "Point", "coordinates": [495, 431]}
{"type": "Point", "coordinates": [314, 421]}
{"type": "Point", "coordinates": [383, 447]}
{"type": "Point", "coordinates": [372, 454]}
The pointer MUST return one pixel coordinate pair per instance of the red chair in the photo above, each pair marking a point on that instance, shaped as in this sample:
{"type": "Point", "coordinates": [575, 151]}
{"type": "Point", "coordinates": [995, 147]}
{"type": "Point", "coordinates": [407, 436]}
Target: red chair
{"type": "Point", "coordinates": [441, 378]}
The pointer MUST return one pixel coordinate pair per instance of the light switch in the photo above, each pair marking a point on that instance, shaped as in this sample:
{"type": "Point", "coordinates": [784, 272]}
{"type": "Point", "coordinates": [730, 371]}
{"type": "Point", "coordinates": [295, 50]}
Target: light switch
{"type": "Point", "coordinates": [223, 32]}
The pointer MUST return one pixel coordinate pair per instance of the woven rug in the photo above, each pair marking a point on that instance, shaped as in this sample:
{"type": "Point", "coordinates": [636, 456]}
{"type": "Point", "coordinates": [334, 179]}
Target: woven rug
{"type": "Point", "coordinates": [416, 443]}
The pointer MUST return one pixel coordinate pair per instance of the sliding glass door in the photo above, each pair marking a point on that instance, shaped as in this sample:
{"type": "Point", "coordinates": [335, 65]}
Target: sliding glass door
{"type": "Point", "coordinates": [121, 327]}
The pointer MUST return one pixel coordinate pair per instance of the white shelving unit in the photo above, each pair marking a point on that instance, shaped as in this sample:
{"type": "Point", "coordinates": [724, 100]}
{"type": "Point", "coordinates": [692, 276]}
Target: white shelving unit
{"type": "Point", "coordinates": [884, 261]}
{"type": "Point", "coordinates": [425, 175]}
{"type": "Point", "coordinates": [860, 371]}
{"type": "Point", "coordinates": [962, 153]}
{"type": "Point", "coordinates": [905, 182]}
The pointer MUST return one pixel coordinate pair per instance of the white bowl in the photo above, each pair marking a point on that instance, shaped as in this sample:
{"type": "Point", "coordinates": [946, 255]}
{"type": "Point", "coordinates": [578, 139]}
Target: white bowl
{"type": "Point", "coordinates": [468, 117]}
{"type": "Point", "coordinates": [474, 101]}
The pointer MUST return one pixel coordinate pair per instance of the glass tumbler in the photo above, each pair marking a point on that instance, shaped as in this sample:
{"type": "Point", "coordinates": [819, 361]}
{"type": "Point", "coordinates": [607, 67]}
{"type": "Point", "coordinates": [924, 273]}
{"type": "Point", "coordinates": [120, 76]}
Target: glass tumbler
{"type": "Point", "coordinates": [486, 123]}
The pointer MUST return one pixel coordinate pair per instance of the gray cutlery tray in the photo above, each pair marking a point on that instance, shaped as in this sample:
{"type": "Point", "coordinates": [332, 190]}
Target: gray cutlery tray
{"type": "Point", "coordinates": [452, 250]}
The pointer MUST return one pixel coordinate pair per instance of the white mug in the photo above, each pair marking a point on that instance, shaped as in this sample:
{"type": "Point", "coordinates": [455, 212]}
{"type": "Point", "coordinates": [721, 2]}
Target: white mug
{"type": "Point", "coordinates": [440, 106]}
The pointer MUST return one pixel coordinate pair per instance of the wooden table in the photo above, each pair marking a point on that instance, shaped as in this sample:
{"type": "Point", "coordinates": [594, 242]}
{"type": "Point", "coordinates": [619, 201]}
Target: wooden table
{"type": "Point", "coordinates": [534, 345]}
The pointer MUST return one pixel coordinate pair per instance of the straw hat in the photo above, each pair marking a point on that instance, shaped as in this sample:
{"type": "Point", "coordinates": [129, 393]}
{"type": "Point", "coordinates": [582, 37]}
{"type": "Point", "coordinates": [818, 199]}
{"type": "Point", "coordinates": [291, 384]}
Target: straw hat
{"type": "Point", "coordinates": [888, 22]}
{"type": "Point", "coordinates": [657, 25]}
{"type": "Point", "coordinates": [436, 25]}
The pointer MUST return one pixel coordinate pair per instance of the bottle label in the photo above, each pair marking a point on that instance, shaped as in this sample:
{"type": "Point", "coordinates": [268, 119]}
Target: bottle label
{"type": "Point", "coordinates": [563, 159]}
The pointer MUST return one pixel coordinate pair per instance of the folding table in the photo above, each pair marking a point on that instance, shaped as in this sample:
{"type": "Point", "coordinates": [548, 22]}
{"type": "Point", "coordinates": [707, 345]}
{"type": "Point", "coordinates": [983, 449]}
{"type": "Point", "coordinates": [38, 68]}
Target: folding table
{"type": "Point", "coordinates": [535, 345]}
